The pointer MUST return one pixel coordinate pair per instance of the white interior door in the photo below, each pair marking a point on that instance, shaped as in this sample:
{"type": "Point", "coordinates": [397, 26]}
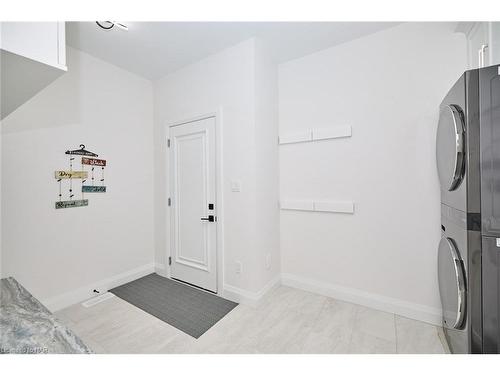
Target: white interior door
{"type": "Point", "coordinates": [193, 205]}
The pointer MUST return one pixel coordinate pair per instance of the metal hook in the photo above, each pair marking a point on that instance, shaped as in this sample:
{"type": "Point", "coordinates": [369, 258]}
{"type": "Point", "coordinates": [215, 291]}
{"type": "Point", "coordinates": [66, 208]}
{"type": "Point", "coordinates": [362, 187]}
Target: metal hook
{"type": "Point", "coordinates": [81, 151]}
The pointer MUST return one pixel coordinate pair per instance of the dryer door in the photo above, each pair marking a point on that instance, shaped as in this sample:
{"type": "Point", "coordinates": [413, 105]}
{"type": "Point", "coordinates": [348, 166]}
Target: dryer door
{"type": "Point", "coordinates": [451, 284]}
{"type": "Point", "coordinates": [450, 147]}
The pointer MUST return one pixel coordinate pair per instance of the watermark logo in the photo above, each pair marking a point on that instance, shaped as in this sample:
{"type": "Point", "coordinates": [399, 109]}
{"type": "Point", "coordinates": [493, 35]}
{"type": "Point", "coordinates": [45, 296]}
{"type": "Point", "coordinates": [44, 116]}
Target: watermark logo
{"type": "Point", "coordinates": [25, 350]}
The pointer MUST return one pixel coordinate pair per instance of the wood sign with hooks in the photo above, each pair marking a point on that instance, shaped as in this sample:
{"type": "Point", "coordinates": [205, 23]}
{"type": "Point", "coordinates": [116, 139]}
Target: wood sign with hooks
{"type": "Point", "coordinates": [87, 161]}
{"type": "Point", "coordinates": [96, 162]}
{"type": "Point", "coordinates": [70, 204]}
{"type": "Point", "coordinates": [93, 189]}
{"type": "Point", "coordinates": [71, 174]}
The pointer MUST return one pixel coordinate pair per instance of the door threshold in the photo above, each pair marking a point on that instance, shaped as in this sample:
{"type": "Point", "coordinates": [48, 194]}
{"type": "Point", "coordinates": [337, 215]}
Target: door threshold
{"type": "Point", "coordinates": [194, 286]}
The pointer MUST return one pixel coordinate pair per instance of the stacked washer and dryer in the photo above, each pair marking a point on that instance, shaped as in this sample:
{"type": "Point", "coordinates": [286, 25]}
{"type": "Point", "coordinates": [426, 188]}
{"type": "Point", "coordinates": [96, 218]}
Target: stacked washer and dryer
{"type": "Point", "coordinates": [468, 163]}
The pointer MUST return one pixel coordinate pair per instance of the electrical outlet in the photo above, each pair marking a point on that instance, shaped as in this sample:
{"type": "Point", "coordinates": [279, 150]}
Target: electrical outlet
{"type": "Point", "coordinates": [268, 261]}
{"type": "Point", "coordinates": [235, 186]}
{"type": "Point", "coordinates": [239, 268]}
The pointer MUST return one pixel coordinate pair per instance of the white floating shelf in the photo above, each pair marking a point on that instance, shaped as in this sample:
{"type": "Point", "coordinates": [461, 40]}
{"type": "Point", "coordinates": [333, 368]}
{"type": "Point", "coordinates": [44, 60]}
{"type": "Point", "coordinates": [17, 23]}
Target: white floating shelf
{"type": "Point", "coordinates": [330, 133]}
{"type": "Point", "coordinates": [346, 207]}
{"type": "Point", "coordinates": [297, 205]}
{"type": "Point", "coordinates": [334, 206]}
{"type": "Point", "coordinates": [311, 135]}
{"type": "Point", "coordinates": [305, 136]}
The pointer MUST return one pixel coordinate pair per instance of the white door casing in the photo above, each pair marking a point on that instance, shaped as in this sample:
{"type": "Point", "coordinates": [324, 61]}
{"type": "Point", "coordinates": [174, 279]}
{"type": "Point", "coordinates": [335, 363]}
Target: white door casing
{"type": "Point", "coordinates": [193, 188]}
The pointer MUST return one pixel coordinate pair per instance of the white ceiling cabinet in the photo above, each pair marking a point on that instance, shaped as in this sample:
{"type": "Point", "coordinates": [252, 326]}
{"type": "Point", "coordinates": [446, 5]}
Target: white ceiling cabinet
{"type": "Point", "coordinates": [33, 54]}
{"type": "Point", "coordinates": [483, 43]}
{"type": "Point", "coordinates": [494, 43]}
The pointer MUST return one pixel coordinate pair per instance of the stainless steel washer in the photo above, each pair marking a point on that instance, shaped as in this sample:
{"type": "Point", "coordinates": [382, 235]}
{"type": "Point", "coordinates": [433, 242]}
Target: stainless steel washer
{"type": "Point", "coordinates": [459, 252]}
{"type": "Point", "coordinates": [452, 275]}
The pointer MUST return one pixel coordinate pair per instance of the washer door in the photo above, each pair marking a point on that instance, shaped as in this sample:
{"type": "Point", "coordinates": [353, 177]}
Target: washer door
{"type": "Point", "coordinates": [451, 283]}
{"type": "Point", "coordinates": [450, 147]}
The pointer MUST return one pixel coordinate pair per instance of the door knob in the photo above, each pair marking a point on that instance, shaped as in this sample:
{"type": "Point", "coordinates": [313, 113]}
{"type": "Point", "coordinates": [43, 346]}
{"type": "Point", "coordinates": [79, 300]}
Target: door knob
{"type": "Point", "coordinates": [210, 218]}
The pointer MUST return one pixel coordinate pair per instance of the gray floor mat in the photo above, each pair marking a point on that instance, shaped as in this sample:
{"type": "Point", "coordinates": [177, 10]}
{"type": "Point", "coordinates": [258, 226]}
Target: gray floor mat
{"type": "Point", "coordinates": [191, 310]}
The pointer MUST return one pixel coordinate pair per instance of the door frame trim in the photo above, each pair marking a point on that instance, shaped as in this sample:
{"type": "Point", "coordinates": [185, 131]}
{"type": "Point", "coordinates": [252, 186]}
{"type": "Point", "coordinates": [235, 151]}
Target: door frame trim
{"type": "Point", "coordinates": [219, 178]}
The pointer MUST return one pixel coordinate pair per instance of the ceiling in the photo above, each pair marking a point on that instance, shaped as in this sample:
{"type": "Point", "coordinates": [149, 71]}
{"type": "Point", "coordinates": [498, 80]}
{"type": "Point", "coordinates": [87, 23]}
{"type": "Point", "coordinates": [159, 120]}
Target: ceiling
{"type": "Point", "coordinates": [155, 49]}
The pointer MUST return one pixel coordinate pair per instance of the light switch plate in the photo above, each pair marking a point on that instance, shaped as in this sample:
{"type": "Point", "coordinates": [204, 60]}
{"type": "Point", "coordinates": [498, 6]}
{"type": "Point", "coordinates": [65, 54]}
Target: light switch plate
{"type": "Point", "coordinates": [235, 186]}
{"type": "Point", "coordinates": [498, 242]}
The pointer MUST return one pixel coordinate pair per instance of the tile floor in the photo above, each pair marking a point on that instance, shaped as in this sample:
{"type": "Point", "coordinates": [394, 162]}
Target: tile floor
{"type": "Point", "coordinates": [286, 321]}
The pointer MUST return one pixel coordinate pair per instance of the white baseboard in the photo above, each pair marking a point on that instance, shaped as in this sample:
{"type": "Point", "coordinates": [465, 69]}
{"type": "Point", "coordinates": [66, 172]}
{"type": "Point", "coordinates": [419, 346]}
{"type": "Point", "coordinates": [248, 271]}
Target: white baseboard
{"type": "Point", "coordinates": [376, 301]}
{"type": "Point", "coordinates": [161, 270]}
{"type": "Point", "coordinates": [247, 297]}
{"type": "Point", "coordinates": [81, 294]}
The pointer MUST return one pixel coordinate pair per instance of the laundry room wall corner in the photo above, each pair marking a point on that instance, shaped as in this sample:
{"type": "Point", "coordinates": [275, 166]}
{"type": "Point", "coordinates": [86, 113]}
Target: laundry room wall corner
{"type": "Point", "coordinates": [388, 87]}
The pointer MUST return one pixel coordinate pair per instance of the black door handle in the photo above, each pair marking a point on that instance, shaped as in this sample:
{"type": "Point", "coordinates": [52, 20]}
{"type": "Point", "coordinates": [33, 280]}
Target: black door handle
{"type": "Point", "coordinates": [210, 218]}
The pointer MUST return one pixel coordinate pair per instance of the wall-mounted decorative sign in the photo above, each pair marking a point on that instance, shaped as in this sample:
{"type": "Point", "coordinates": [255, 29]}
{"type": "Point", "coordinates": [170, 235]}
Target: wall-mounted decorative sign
{"type": "Point", "coordinates": [96, 162]}
{"type": "Point", "coordinates": [71, 174]}
{"type": "Point", "coordinates": [88, 161]}
{"type": "Point", "coordinates": [93, 189]}
{"type": "Point", "coordinates": [70, 204]}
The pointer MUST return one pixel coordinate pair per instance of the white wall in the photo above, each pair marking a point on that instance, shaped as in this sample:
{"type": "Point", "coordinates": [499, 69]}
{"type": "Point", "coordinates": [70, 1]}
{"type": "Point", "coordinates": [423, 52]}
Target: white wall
{"type": "Point", "coordinates": [267, 163]}
{"type": "Point", "coordinates": [225, 81]}
{"type": "Point", "coordinates": [388, 87]}
{"type": "Point", "coordinates": [53, 252]}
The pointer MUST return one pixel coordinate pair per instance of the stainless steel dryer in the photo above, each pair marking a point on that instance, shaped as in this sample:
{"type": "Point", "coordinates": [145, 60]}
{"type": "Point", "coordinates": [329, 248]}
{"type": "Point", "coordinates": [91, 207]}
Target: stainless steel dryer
{"type": "Point", "coordinates": [459, 252]}
{"type": "Point", "coordinates": [468, 163]}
